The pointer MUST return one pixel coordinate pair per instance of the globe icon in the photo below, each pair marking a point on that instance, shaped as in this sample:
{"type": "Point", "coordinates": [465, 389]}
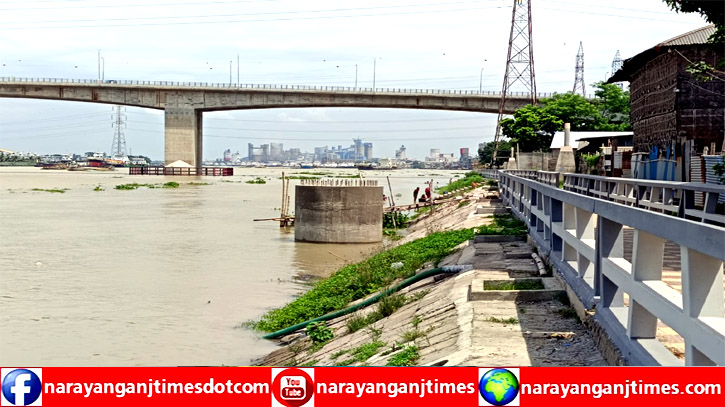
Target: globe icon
{"type": "Point", "coordinates": [498, 387]}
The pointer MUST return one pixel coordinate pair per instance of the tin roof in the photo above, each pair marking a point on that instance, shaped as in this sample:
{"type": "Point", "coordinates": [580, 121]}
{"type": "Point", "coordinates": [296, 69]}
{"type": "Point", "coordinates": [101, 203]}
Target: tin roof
{"type": "Point", "coordinates": [698, 36]}
{"type": "Point", "coordinates": [558, 140]}
{"type": "Point", "coordinates": [633, 64]}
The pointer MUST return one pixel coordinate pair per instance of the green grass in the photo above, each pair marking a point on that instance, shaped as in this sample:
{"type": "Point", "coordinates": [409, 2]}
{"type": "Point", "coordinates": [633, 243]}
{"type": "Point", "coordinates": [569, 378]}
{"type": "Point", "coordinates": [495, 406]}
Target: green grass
{"type": "Point", "coordinates": [362, 353]}
{"type": "Point", "coordinates": [390, 303]}
{"type": "Point", "coordinates": [296, 177]}
{"type": "Point", "coordinates": [99, 188]}
{"type": "Point", "coordinates": [256, 181]}
{"type": "Point", "coordinates": [506, 225]}
{"type": "Point", "coordinates": [356, 323]}
{"type": "Point", "coordinates": [407, 357]}
{"type": "Point", "coordinates": [384, 308]}
{"type": "Point", "coordinates": [463, 183]}
{"type": "Point", "coordinates": [514, 285]}
{"type": "Point", "coordinates": [52, 191]}
{"type": "Point", "coordinates": [358, 280]}
{"type": "Point", "coordinates": [392, 234]}
{"type": "Point", "coordinates": [463, 203]}
{"type": "Point", "coordinates": [411, 335]}
{"type": "Point", "coordinates": [338, 354]}
{"type": "Point", "coordinates": [199, 183]}
{"type": "Point", "coordinates": [134, 185]}
{"type": "Point", "coordinates": [507, 321]}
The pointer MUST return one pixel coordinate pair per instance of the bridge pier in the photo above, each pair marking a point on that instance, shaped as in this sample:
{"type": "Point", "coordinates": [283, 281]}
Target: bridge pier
{"type": "Point", "coordinates": [183, 136]}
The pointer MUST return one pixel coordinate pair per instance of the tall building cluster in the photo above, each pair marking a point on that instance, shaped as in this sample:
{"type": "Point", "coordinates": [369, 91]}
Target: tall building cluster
{"type": "Point", "coordinates": [359, 151]}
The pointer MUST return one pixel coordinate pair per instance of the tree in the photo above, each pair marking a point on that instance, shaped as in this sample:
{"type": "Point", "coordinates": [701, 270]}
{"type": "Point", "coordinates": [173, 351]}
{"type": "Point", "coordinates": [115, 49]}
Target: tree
{"type": "Point", "coordinates": [532, 128]}
{"type": "Point", "coordinates": [485, 154]}
{"type": "Point", "coordinates": [713, 11]}
{"type": "Point", "coordinates": [613, 105]}
{"type": "Point", "coordinates": [574, 109]}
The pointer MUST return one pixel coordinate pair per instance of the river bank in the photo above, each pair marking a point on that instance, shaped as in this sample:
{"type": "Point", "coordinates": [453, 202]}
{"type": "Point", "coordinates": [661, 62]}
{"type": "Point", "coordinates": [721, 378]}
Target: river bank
{"type": "Point", "coordinates": [449, 318]}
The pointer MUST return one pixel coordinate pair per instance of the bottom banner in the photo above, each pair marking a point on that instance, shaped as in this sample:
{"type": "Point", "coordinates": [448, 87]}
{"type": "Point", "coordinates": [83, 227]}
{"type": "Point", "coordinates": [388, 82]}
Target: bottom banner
{"type": "Point", "coordinates": [363, 386]}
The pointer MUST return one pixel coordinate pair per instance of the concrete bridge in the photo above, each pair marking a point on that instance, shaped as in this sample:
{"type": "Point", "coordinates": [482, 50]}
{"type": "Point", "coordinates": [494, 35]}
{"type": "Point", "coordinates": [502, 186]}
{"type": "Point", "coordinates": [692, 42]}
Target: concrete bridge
{"type": "Point", "coordinates": [184, 102]}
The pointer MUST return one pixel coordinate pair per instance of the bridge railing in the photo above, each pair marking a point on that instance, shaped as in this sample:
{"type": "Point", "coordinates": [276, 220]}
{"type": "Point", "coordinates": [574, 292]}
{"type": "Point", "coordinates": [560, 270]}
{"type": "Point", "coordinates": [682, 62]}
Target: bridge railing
{"type": "Point", "coordinates": [234, 86]}
{"type": "Point", "coordinates": [583, 236]}
{"type": "Point", "coordinates": [667, 197]}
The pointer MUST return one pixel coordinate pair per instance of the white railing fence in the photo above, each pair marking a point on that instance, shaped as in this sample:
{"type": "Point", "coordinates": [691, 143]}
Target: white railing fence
{"type": "Point", "coordinates": [581, 230]}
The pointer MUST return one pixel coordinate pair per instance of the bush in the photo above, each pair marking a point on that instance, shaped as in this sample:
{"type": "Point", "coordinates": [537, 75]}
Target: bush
{"type": "Point", "coordinates": [400, 218]}
{"type": "Point", "coordinates": [407, 357]}
{"type": "Point", "coordinates": [466, 182]}
{"type": "Point", "coordinates": [319, 332]}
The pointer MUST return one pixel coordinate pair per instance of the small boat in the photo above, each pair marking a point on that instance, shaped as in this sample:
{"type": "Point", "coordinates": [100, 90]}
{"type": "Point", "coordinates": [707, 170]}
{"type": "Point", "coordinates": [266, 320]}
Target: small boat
{"type": "Point", "coordinates": [54, 166]}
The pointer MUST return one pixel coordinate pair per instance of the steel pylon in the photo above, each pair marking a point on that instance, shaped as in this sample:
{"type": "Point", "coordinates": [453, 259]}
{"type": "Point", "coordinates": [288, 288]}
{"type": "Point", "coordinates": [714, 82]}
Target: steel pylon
{"type": "Point", "coordinates": [118, 147]}
{"type": "Point", "coordinates": [579, 72]}
{"type": "Point", "coordinates": [519, 62]}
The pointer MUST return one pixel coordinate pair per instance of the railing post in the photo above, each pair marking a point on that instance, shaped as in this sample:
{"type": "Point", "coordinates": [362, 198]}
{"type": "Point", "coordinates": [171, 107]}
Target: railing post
{"type": "Point", "coordinates": [609, 244]}
{"type": "Point", "coordinates": [702, 282]}
{"type": "Point", "coordinates": [647, 253]}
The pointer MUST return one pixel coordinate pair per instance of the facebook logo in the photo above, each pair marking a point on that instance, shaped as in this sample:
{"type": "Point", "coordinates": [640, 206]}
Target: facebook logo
{"type": "Point", "coordinates": [21, 387]}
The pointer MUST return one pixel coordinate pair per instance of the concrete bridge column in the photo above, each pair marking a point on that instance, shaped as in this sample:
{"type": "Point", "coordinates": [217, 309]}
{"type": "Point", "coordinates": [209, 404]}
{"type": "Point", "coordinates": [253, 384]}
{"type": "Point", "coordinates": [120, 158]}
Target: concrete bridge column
{"type": "Point", "coordinates": [183, 138]}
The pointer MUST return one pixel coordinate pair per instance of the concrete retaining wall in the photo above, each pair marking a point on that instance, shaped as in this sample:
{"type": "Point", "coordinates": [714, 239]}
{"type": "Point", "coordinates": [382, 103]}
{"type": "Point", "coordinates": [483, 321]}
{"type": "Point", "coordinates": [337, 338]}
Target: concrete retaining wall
{"type": "Point", "coordinates": [338, 214]}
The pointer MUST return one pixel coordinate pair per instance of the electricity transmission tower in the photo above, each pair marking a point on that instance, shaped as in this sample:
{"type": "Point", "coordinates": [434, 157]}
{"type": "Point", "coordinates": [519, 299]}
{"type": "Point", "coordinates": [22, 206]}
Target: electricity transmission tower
{"type": "Point", "coordinates": [118, 148]}
{"type": "Point", "coordinates": [579, 72]}
{"type": "Point", "coordinates": [519, 63]}
{"type": "Point", "coordinates": [617, 65]}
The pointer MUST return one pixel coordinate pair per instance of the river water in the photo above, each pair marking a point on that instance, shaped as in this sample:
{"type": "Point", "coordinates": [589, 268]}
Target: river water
{"type": "Point", "coordinates": [153, 277]}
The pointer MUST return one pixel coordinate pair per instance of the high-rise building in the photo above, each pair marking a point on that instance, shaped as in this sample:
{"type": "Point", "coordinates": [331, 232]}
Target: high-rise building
{"type": "Point", "coordinates": [400, 153]}
{"type": "Point", "coordinates": [368, 151]}
{"type": "Point", "coordinates": [275, 151]}
{"type": "Point", "coordinates": [227, 155]}
{"type": "Point", "coordinates": [359, 149]}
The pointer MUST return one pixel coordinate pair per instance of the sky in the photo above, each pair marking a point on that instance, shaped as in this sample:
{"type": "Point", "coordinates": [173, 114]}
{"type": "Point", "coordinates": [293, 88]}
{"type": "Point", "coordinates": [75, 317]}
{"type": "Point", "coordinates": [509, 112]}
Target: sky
{"type": "Point", "coordinates": [424, 44]}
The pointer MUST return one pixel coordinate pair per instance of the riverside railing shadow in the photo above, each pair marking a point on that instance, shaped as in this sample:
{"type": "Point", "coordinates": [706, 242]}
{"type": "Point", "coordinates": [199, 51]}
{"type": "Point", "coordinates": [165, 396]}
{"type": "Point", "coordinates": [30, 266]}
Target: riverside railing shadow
{"type": "Point", "coordinates": [582, 236]}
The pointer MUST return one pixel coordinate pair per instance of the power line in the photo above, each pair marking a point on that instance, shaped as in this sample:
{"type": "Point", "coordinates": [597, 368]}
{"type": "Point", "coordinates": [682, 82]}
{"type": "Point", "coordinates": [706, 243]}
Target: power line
{"type": "Point", "coordinates": [176, 4]}
{"type": "Point", "coordinates": [50, 119]}
{"type": "Point", "coordinates": [41, 129]}
{"type": "Point", "coordinates": [25, 25]}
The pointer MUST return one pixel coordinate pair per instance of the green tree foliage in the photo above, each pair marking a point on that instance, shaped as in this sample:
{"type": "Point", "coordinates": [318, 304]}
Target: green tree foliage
{"type": "Point", "coordinates": [713, 11]}
{"type": "Point", "coordinates": [613, 104]}
{"type": "Point", "coordinates": [485, 154]}
{"type": "Point", "coordinates": [574, 109]}
{"type": "Point", "coordinates": [533, 127]}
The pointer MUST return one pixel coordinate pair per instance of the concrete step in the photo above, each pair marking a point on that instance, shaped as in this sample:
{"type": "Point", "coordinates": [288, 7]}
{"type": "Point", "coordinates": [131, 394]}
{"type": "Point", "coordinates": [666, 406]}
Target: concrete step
{"type": "Point", "coordinates": [551, 291]}
{"type": "Point", "coordinates": [498, 238]}
{"type": "Point", "coordinates": [488, 210]}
